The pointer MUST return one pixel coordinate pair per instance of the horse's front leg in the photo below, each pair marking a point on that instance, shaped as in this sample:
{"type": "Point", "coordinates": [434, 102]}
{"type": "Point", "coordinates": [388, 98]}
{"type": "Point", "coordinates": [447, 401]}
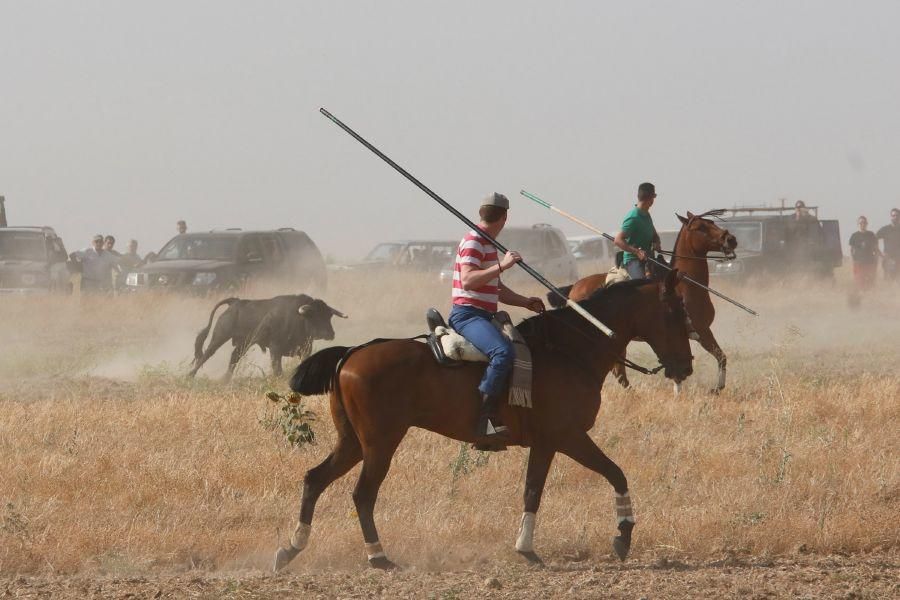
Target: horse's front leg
{"type": "Point", "coordinates": [376, 462]}
{"type": "Point", "coordinates": [539, 460]}
{"type": "Point", "coordinates": [709, 343]}
{"type": "Point", "coordinates": [580, 448]}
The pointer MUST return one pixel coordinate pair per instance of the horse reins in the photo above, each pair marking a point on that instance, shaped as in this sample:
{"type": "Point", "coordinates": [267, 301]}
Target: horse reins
{"type": "Point", "coordinates": [673, 255]}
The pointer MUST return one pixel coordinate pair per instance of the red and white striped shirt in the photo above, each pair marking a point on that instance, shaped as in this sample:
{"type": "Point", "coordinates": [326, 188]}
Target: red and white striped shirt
{"type": "Point", "coordinates": [477, 251]}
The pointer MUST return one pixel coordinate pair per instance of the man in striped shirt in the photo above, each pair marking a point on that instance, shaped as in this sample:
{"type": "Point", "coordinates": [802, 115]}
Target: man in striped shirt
{"type": "Point", "coordinates": [477, 290]}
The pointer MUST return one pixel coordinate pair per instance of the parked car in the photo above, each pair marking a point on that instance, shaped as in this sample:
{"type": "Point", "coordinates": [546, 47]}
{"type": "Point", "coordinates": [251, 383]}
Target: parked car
{"type": "Point", "coordinates": [32, 260]}
{"type": "Point", "coordinates": [543, 247]}
{"type": "Point", "coordinates": [593, 253]}
{"type": "Point", "coordinates": [773, 243]}
{"type": "Point", "coordinates": [408, 255]}
{"type": "Point", "coordinates": [224, 260]}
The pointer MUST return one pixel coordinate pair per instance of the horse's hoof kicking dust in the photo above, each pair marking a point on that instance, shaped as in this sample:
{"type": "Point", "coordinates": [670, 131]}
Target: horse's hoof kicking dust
{"type": "Point", "coordinates": [532, 558]}
{"type": "Point", "coordinates": [621, 547]}
{"type": "Point", "coordinates": [382, 563]}
{"type": "Point", "coordinates": [283, 556]}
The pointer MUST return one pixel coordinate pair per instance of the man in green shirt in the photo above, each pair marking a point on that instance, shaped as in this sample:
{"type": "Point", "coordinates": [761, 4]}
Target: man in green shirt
{"type": "Point", "coordinates": [638, 237]}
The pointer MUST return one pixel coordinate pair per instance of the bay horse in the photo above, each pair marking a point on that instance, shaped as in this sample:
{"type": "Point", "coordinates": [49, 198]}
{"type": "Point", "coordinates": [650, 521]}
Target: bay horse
{"type": "Point", "coordinates": [697, 237]}
{"type": "Point", "coordinates": [381, 389]}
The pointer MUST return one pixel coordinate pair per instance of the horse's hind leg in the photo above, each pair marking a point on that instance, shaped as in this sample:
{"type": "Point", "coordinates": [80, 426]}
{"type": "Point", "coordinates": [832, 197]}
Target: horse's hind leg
{"type": "Point", "coordinates": [539, 460]}
{"type": "Point", "coordinates": [709, 343]}
{"type": "Point", "coordinates": [582, 449]}
{"type": "Point", "coordinates": [343, 458]}
{"type": "Point", "coordinates": [376, 462]}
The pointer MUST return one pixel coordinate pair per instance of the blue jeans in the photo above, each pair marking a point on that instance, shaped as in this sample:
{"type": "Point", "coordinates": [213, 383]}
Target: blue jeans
{"type": "Point", "coordinates": [635, 269]}
{"type": "Point", "coordinates": [475, 325]}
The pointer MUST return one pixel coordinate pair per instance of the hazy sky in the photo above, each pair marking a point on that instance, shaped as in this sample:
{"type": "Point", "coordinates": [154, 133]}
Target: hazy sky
{"type": "Point", "coordinates": [122, 117]}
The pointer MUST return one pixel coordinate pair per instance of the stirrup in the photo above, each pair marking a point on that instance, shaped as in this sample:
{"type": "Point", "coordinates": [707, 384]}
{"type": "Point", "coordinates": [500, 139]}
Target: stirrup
{"type": "Point", "coordinates": [498, 430]}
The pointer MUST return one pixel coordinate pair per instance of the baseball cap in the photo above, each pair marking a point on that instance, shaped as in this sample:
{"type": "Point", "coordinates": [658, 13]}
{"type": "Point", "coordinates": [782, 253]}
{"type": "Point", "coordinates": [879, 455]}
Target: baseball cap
{"type": "Point", "coordinates": [496, 199]}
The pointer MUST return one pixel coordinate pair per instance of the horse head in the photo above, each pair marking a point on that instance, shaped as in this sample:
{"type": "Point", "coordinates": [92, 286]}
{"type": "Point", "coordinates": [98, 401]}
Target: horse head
{"type": "Point", "coordinates": [704, 236]}
{"type": "Point", "coordinates": [666, 327]}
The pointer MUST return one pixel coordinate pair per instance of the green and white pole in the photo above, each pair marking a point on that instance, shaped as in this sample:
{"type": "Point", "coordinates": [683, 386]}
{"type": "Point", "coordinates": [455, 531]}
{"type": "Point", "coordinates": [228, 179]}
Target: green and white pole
{"type": "Point", "coordinates": [590, 227]}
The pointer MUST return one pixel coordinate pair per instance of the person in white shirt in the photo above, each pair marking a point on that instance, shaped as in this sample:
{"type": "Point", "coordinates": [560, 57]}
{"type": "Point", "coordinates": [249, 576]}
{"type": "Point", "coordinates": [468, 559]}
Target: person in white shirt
{"type": "Point", "coordinates": [97, 266]}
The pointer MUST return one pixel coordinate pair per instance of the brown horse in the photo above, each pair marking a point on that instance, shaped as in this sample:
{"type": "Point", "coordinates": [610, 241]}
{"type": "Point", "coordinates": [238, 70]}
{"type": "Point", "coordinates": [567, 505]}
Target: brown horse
{"type": "Point", "coordinates": [698, 237]}
{"type": "Point", "coordinates": [381, 389]}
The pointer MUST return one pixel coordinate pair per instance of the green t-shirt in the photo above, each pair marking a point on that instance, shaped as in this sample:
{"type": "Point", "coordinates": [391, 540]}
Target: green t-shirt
{"type": "Point", "coordinates": [639, 232]}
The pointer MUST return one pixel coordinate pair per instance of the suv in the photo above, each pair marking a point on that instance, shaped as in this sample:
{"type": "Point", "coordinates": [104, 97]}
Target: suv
{"type": "Point", "coordinates": [543, 247]}
{"type": "Point", "coordinates": [772, 242]}
{"type": "Point", "coordinates": [32, 260]}
{"type": "Point", "coordinates": [226, 260]}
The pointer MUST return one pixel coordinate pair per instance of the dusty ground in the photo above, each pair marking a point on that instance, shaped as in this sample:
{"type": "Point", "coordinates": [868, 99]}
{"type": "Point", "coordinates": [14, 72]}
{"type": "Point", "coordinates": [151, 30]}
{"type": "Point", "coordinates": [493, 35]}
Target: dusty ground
{"type": "Point", "coordinates": [857, 577]}
{"type": "Point", "coordinates": [120, 478]}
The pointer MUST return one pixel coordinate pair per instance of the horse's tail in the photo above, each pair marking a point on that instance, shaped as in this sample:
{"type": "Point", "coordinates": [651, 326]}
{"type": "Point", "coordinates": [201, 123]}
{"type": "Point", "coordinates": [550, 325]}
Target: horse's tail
{"type": "Point", "coordinates": [316, 374]}
{"type": "Point", "coordinates": [555, 300]}
{"type": "Point", "coordinates": [201, 337]}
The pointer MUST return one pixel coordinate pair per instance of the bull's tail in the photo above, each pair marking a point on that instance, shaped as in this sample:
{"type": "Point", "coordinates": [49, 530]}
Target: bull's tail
{"type": "Point", "coordinates": [201, 337]}
{"type": "Point", "coordinates": [316, 374]}
{"type": "Point", "coordinates": [555, 300]}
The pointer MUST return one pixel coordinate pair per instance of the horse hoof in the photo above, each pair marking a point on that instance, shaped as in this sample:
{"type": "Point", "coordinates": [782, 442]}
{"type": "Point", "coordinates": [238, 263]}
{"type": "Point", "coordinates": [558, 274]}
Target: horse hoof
{"type": "Point", "coordinates": [621, 546]}
{"type": "Point", "coordinates": [381, 562]}
{"type": "Point", "coordinates": [531, 557]}
{"type": "Point", "coordinates": [715, 391]}
{"type": "Point", "coordinates": [624, 383]}
{"type": "Point", "coordinates": [283, 556]}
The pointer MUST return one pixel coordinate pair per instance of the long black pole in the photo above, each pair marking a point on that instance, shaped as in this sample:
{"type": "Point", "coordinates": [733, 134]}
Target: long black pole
{"type": "Point", "coordinates": [500, 248]}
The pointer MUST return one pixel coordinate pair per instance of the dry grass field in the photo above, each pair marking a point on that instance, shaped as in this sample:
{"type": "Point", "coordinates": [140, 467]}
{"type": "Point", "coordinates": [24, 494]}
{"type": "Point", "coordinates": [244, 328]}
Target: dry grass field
{"type": "Point", "coordinates": [118, 475]}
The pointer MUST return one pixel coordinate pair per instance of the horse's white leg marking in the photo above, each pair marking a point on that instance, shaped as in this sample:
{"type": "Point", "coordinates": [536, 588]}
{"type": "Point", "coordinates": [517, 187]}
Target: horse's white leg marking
{"type": "Point", "coordinates": [374, 550]}
{"type": "Point", "coordinates": [720, 357]}
{"type": "Point", "coordinates": [525, 541]}
{"type": "Point", "coordinates": [676, 388]}
{"type": "Point", "coordinates": [301, 536]}
{"type": "Point", "coordinates": [623, 508]}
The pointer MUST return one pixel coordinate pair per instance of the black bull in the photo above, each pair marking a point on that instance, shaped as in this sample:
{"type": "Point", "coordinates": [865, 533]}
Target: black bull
{"type": "Point", "coordinates": [283, 325]}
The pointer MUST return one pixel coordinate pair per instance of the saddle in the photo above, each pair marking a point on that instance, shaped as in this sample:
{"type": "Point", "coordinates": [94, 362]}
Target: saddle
{"type": "Point", "coordinates": [450, 349]}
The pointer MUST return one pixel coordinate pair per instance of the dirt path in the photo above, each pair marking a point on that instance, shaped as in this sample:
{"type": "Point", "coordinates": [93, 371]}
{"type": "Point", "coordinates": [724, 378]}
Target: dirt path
{"type": "Point", "coordinates": [805, 577]}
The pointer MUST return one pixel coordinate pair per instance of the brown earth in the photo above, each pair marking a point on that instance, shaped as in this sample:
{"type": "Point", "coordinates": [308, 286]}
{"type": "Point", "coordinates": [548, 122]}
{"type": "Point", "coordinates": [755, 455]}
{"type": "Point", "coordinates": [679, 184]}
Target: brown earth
{"type": "Point", "coordinates": [853, 577]}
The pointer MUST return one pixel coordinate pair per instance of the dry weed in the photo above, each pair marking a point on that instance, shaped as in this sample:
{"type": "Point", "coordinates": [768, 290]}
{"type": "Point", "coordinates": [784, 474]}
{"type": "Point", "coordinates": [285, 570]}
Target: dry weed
{"type": "Point", "coordinates": [113, 462]}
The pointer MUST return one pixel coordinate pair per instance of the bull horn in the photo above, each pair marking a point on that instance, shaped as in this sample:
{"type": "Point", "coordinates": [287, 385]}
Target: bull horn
{"type": "Point", "coordinates": [338, 313]}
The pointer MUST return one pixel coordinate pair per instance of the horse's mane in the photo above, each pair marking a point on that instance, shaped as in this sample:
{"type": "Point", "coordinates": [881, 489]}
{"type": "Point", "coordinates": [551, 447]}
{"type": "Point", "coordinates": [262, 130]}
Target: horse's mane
{"type": "Point", "coordinates": [716, 212]}
{"type": "Point", "coordinates": [613, 293]}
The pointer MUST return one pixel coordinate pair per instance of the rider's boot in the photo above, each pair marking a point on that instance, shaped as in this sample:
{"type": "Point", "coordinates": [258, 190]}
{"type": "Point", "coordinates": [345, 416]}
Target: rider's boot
{"type": "Point", "coordinates": [491, 434]}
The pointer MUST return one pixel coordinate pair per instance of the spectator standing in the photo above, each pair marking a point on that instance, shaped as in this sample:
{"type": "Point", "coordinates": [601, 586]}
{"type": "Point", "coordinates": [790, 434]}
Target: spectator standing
{"type": "Point", "coordinates": [801, 213]}
{"type": "Point", "coordinates": [864, 252]}
{"type": "Point", "coordinates": [128, 262]}
{"type": "Point", "coordinates": [97, 266]}
{"type": "Point", "coordinates": [181, 227]}
{"type": "Point", "coordinates": [890, 235]}
{"type": "Point", "coordinates": [109, 244]}
{"type": "Point", "coordinates": [3, 212]}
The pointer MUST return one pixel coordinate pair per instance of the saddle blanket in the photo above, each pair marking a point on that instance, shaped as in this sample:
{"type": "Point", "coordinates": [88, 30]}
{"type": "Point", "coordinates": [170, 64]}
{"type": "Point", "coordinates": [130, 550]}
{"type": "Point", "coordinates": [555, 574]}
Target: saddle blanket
{"type": "Point", "coordinates": [616, 275]}
{"type": "Point", "coordinates": [457, 347]}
